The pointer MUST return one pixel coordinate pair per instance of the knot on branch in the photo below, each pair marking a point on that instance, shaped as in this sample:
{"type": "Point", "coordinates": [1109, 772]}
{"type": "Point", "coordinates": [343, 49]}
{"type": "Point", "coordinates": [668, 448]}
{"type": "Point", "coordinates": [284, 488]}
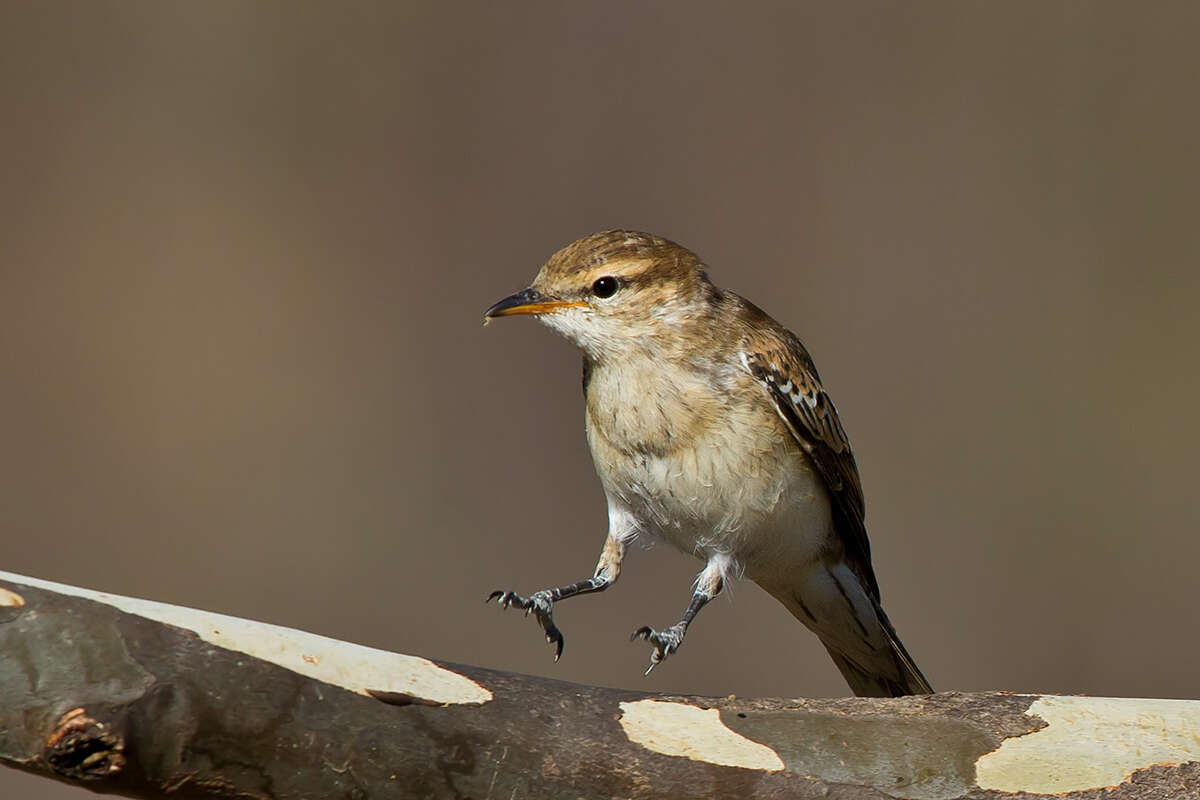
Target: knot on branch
{"type": "Point", "coordinates": [84, 748]}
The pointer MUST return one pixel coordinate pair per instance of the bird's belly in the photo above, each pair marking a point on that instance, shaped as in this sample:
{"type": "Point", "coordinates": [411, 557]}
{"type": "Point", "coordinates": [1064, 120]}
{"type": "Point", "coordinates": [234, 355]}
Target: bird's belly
{"type": "Point", "coordinates": [759, 501]}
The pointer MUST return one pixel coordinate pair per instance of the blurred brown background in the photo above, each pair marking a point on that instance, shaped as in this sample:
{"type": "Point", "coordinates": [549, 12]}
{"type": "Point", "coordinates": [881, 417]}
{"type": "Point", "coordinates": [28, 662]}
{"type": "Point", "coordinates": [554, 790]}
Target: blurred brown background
{"type": "Point", "coordinates": [245, 249]}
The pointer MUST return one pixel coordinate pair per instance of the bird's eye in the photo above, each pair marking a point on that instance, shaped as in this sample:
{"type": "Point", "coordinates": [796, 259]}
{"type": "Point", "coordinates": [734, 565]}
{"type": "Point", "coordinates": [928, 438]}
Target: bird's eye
{"type": "Point", "coordinates": [605, 287]}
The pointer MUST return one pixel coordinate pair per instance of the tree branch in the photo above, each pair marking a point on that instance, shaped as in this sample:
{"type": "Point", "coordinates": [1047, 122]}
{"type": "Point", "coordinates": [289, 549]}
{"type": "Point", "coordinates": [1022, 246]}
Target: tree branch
{"type": "Point", "coordinates": [145, 699]}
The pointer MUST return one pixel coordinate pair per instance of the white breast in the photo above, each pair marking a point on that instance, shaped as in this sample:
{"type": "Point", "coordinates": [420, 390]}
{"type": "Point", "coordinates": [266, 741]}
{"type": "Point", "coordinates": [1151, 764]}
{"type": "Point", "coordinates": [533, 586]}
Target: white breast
{"type": "Point", "coordinates": [708, 474]}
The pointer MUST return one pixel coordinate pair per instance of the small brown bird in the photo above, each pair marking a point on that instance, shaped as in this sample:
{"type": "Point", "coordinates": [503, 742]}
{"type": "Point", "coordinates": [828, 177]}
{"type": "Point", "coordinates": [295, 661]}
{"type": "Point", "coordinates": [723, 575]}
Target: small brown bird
{"type": "Point", "coordinates": [710, 430]}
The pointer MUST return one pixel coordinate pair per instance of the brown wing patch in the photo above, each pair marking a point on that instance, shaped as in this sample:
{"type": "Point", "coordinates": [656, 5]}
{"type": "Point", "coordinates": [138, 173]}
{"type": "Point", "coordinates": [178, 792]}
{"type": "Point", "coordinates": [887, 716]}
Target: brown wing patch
{"type": "Point", "coordinates": [785, 371]}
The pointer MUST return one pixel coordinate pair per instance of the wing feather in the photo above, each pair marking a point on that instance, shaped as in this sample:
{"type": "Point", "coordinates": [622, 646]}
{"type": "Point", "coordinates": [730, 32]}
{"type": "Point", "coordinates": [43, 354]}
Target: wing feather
{"type": "Point", "coordinates": [784, 369]}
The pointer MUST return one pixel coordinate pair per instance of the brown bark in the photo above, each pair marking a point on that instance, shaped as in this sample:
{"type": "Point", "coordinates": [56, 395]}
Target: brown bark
{"type": "Point", "coordinates": [120, 703]}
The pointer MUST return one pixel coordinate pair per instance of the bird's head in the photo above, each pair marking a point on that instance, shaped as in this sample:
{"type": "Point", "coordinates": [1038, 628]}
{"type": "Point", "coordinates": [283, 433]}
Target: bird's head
{"type": "Point", "coordinates": [616, 290]}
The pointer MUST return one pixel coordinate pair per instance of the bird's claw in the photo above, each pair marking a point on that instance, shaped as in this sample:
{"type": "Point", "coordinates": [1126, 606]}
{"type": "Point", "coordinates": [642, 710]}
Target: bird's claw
{"type": "Point", "coordinates": [540, 605]}
{"type": "Point", "coordinates": [665, 642]}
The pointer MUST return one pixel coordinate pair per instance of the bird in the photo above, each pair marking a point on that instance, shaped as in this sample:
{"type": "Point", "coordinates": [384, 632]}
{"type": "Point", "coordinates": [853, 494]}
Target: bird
{"type": "Point", "coordinates": [710, 430]}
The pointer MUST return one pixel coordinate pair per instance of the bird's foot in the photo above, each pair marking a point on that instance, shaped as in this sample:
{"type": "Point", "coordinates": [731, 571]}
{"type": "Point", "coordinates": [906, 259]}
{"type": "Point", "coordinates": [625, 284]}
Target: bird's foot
{"type": "Point", "coordinates": [540, 605]}
{"type": "Point", "coordinates": [665, 642]}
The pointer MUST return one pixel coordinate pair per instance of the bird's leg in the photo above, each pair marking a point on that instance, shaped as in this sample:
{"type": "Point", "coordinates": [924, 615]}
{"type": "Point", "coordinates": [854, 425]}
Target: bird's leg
{"type": "Point", "coordinates": [667, 641]}
{"type": "Point", "coordinates": [541, 603]}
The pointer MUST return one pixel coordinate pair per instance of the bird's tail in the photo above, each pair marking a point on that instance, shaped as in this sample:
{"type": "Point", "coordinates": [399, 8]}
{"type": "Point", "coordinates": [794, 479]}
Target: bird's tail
{"type": "Point", "coordinates": [892, 674]}
{"type": "Point", "coordinates": [850, 622]}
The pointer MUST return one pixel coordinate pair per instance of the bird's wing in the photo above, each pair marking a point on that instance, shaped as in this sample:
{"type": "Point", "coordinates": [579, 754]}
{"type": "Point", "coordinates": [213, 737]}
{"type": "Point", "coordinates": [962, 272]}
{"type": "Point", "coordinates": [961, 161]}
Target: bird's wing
{"type": "Point", "coordinates": [781, 365]}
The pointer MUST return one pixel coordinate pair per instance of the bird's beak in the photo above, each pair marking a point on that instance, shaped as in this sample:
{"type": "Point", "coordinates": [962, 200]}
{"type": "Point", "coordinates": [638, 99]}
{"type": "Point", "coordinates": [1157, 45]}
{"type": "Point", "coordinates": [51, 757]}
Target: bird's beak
{"type": "Point", "coordinates": [527, 301]}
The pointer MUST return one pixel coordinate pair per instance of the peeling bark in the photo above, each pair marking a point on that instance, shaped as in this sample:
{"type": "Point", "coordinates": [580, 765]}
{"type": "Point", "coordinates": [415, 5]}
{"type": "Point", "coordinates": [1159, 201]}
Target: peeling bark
{"type": "Point", "coordinates": [173, 701]}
